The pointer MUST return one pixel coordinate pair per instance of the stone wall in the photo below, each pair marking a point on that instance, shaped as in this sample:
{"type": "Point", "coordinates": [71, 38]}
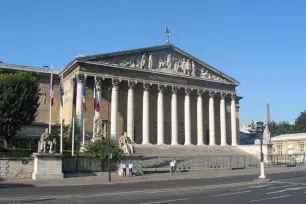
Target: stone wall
{"type": "Point", "coordinates": [255, 150]}
{"type": "Point", "coordinates": [16, 168]}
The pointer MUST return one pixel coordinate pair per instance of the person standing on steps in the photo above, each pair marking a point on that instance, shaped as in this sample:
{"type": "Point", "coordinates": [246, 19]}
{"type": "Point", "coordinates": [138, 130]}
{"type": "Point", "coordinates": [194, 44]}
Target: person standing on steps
{"type": "Point", "coordinates": [174, 161]}
{"type": "Point", "coordinates": [171, 167]}
{"type": "Point", "coordinates": [131, 166]}
{"type": "Point", "coordinates": [123, 166]}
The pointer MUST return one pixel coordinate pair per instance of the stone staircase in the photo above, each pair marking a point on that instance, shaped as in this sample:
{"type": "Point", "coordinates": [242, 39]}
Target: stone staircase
{"type": "Point", "coordinates": [181, 150]}
{"type": "Point", "coordinates": [156, 158]}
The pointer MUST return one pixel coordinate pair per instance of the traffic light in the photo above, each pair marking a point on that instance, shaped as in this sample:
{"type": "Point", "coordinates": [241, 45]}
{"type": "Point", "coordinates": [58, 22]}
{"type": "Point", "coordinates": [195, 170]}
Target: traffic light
{"type": "Point", "coordinates": [259, 128]}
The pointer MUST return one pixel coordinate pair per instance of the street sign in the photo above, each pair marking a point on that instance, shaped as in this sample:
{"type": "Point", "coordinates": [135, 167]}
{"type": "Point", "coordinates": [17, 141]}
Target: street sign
{"type": "Point", "coordinates": [110, 155]}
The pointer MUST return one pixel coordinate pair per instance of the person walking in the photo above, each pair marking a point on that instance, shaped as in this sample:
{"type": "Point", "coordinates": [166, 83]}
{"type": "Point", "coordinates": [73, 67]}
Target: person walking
{"type": "Point", "coordinates": [171, 167]}
{"type": "Point", "coordinates": [123, 166]}
{"type": "Point", "coordinates": [131, 166]}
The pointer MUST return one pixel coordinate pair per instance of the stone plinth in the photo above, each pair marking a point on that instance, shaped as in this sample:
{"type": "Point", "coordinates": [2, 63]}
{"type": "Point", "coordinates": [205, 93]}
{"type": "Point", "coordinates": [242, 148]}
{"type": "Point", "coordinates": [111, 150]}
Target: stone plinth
{"type": "Point", "coordinates": [47, 166]}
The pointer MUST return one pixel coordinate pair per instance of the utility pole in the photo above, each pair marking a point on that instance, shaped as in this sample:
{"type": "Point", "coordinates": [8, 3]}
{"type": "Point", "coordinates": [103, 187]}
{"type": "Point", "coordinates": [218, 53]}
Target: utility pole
{"type": "Point", "coordinates": [259, 132]}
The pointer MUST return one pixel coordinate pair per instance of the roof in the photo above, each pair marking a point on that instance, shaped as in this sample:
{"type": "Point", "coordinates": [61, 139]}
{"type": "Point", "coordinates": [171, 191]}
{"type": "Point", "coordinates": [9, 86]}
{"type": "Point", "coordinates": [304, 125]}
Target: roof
{"type": "Point", "coordinates": [86, 58]}
{"type": "Point", "coordinates": [26, 68]}
{"type": "Point", "coordinates": [296, 136]}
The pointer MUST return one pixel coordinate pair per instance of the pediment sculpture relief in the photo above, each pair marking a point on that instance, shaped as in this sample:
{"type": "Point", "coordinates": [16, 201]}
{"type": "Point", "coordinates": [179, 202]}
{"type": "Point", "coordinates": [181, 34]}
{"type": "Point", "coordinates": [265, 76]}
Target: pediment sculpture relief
{"type": "Point", "coordinates": [165, 62]}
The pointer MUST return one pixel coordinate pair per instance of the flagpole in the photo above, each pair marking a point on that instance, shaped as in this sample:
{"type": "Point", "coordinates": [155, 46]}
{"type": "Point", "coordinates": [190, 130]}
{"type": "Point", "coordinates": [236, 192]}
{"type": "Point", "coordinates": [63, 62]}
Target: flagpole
{"type": "Point", "coordinates": [61, 151]}
{"type": "Point", "coordinates": [73, 126]}
{"type": "Point", "coordinates": [94, 124]}
{"type": "Point", "coordinates": [83, 130]}
{"type": "Point", "coordinates": [50, 97]}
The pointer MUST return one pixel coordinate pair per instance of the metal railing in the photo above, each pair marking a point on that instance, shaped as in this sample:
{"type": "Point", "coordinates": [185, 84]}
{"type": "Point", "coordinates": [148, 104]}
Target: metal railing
{"type": "Point", "coordinates": [194, 163]}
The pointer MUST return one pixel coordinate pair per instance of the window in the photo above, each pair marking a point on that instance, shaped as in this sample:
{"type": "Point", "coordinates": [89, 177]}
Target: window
{"type": "Point", "coordinates": [302, 147]}
{"type": "Point", "coordinates": [280, 149]}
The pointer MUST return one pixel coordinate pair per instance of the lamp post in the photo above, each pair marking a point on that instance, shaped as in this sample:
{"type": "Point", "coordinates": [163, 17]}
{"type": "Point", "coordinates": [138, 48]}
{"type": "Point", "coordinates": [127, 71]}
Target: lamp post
{"type": "Point", "coordinates": [107, 125]}
{"type": "Point", "coordinates": [259, 133]}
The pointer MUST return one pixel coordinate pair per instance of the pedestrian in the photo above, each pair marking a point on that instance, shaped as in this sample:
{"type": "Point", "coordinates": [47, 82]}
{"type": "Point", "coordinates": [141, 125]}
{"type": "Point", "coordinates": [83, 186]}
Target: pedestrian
{"type": "Point", "coordinates": [123, 166]}
{"type": "Point", "coordinates": [174, 161]}
{"type": "Point", "coordinates": [171, 167]}
{"type": "Point", "coordinates": [131, 166]}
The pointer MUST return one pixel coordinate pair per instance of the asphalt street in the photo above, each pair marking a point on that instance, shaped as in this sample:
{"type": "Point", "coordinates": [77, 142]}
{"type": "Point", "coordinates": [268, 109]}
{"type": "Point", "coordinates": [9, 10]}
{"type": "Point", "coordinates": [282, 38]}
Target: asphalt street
{"type": "Point", "coordinates": [289, 187]}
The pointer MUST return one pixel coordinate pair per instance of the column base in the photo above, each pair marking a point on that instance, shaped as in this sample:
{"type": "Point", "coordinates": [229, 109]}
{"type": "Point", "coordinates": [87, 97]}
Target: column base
{"type": "Point", "coordinates": [201, 144]}
{"type": "Point", "coordinates": [224, 144]}
{"type": "Point", "coordinates": [175, 144]}
{"type": "Point", "coordinates": [161, 144]}
{"type": "Point", "coordinates": [234, 144]}
{"type": "Point", "coordinates": [213, 144]}
{"type": "Point", "coordinates": [146, 143]}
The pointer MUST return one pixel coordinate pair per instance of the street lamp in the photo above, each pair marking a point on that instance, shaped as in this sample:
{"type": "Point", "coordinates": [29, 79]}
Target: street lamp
{"type": "Point", "coordinates": [259, 133]}
{"type": "Point", "coordinates": [107, 125]}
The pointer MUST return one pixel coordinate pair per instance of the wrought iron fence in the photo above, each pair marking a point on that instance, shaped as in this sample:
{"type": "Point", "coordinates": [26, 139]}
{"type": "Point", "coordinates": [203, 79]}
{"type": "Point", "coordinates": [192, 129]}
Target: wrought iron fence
{"type": "Point", "coordinates": [193, 163]}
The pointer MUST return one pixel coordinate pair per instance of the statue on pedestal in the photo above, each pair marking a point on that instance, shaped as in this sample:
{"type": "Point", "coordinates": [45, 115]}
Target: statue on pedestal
{"type": "Point", "coordinates": [126, 145]}
{"type": "Point", "coordinates": [99, 128]}
{"type": "Point", "coordinates": [47, 140]}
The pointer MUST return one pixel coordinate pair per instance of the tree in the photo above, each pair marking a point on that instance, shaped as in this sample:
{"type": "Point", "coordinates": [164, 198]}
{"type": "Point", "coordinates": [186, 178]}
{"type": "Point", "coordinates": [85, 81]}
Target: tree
{"type": "Point", "coordinates": [18, 102]}
{"type": "Point", "coordinates": [98, 150]}
{"type": "Point", "coordinates": [273, 128]}
{"type": "Point", "coordinates": [300, 123]}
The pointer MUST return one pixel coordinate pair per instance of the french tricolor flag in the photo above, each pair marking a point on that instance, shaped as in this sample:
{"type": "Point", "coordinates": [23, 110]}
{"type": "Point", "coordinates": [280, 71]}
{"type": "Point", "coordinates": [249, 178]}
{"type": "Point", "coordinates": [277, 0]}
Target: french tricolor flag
{"type": "Point", "coordinates": [51, 88]}
{"type": "Point", "coordinates": [96, 97]}
{"type": "Point", "coordinates": [84, 93]}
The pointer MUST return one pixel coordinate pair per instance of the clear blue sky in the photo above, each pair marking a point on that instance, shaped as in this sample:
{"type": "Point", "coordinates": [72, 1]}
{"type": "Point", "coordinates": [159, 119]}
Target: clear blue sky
{"type": "Point", "coordinates": [260, 43]}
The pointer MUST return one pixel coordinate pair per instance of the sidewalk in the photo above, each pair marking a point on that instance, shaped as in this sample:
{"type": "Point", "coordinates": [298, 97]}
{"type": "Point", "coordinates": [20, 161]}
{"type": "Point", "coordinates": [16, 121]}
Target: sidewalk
{"type": "Point", "coordinates": [103, 179]}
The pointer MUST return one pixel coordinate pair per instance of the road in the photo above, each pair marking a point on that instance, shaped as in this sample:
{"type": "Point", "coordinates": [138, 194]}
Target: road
{"type": "Point", "coordinates": [289, 187]}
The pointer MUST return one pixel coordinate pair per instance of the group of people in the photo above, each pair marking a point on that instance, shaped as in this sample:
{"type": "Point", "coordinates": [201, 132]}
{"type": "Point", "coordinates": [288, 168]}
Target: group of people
{"type": "Point", "coordinates": [124, 166]}
{"type": "Point", "coordinates": [172, 166]}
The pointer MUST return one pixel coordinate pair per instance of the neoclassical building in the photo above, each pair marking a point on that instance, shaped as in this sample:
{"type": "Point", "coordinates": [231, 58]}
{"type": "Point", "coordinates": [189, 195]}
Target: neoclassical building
{"type": "Point", "coordinates": [157, 95]}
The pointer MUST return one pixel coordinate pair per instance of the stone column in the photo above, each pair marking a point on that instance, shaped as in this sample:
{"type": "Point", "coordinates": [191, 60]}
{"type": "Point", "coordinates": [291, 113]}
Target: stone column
{"type": "Point", "coordinates": [212, 140]}
{"type": "Point", "coordinates": [174, 120]}
{"type": "Point", "coordinates": [200, 117]}
{"type": "Point", "coordinates": [223, 119]}
{"type": "Point", "coordinates": [187, 117]}
{"type": "Point", "coordinates": [237, 121]}
{"type": "Point", "coordinates": [145, 115]}
{"type": "Point", "coordinates": [233, 120]}
{"type": "Point", "coordinates": [130, 110]}
{"type": "Point", "coordinates": [114, 110]}
{"type": "Point", "coordinates": [160, 115]}
{"type": "Point", "coordinates": [79, 108]}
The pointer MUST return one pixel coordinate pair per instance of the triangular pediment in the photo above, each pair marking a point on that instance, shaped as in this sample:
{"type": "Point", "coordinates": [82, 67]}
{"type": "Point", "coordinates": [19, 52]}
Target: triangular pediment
{"type": "Point", "coordinates": [166, 58]}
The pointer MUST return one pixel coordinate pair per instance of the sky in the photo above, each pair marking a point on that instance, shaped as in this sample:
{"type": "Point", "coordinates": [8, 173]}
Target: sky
{"type": "Point", "coordinates": [260, 43]}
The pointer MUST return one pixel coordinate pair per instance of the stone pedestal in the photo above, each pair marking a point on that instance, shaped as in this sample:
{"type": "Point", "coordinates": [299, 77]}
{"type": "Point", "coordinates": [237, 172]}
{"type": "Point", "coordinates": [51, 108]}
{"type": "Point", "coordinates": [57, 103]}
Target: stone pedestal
{"type": "Point", "coordinates": [47, 166]}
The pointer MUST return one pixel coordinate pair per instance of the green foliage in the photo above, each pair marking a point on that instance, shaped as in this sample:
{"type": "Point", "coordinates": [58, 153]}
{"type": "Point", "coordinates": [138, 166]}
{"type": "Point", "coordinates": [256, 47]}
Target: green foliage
{"type": "Point", "coordinates": [300, 123]}
{"type": "Point", "coordinates": [98, 149]}
{"type": "Point", "coordinates": [16, 152]}
{"type": "Point", "coordinates": [18, 102]}
{"type": "Point", "coordinates": [280, 128]}
{"type": "Point", "coordinates": [274, 128]}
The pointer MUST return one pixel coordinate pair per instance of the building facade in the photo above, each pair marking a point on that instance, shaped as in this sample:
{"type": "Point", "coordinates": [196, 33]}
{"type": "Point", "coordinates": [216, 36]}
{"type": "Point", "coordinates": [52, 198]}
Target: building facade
{"type": "Point", "coordinates": [289, 144]}
{"type": "Point", "coordinates": [157, 95]}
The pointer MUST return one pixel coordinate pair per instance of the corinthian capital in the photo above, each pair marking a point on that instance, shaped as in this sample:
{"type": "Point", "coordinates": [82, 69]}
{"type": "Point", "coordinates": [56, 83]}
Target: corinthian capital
{"type": "Point", "coordinates": [80, 77]}
{"type": "Point", "coordinates": [188, 91]}
{"type": "Point", "coordinates": [233, 96]}
{"type": "Point", "coordinates": [147, 86]}
{"type": "Point", "coordinates": [161, 87]}
{"type": "Point", "coordinates": [116, 83]}
{"type": "Point", "coordinates": [175, 89]}
{"type": "Point", "coordinates": [200, 92]}
{"type": "Point", "coordinates": [132, 83]}
{"type": "Point", "coordinates": [212, 94]}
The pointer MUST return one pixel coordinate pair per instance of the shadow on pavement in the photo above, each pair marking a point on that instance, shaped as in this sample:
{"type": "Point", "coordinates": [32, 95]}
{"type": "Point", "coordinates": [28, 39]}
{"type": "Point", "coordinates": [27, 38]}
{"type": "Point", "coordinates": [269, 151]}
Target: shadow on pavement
{"type": "Point", "coordinates": [15, 185]}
